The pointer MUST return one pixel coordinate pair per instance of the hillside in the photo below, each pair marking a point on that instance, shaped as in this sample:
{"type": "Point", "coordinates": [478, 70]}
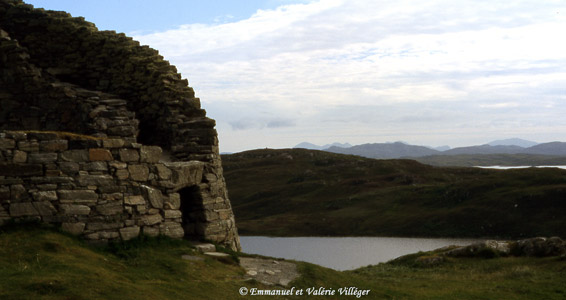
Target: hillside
{"type": "Point", "coordinates": [39, 263]}
{"type": "Point", "coordinates": [298, 192]}
{"type": "Point", "coordinates": [471, 160]}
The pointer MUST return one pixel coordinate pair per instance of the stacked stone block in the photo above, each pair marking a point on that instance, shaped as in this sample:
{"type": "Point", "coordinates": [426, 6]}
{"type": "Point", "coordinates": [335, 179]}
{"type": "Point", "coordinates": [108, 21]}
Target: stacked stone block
{"type": "Point", "coordinates": [103, 189]}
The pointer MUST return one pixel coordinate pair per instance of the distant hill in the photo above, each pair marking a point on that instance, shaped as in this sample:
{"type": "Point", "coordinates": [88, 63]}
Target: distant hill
{"type": "Point", "coordinates": [307, 145]}
{"type": "Point", "coordinates": [552, 148]}
{"type": "Point", "coordinates": [485, 149]}
{"type": "Point", "coordinates": [299, 192]}
{"type": "Point", "coordinates": [385, 150]}
{"type": "Point", "coordinates": [513, 142]}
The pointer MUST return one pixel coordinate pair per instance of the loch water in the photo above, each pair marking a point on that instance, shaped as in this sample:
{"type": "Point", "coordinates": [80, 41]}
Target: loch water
{"type": "Point", "coordinates": [343, 253]}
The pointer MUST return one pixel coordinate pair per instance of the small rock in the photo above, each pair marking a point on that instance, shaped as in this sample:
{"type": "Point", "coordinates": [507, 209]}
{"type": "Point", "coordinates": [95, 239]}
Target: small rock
{"type": "Point", "coordinates": [284, 282]}
{"type": "Point", "coordinates": [251, 273]}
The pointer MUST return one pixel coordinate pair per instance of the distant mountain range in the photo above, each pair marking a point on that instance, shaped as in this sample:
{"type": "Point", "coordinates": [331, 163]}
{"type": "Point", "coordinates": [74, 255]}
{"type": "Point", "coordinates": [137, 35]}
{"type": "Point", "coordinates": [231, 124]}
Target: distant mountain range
{"type": "Point", "coordinates": [307, 145]}
{"type": "Point", "coordinates": [404, 150]}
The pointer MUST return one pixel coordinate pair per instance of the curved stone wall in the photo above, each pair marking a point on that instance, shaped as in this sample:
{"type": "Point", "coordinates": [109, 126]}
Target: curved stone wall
{"type": "Point", "coordinates": [60, 73]}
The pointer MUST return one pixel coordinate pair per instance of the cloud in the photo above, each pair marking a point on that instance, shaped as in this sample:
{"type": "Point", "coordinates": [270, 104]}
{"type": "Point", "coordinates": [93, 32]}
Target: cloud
{"type": "Point", "coordinates": [377, 63]}
{"type": "Point", "coordinates": [246, 124]}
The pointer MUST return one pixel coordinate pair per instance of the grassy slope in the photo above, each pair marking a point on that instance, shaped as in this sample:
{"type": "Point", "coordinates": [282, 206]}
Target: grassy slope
{"type": "Point", "coordinates": [43, 263]}
{"type": "Point", "coordinates": [306, 192]}
{"type": "Point", "coordinates": [471, 160]}
{"type": "Point", "coordinates": [36, 263]}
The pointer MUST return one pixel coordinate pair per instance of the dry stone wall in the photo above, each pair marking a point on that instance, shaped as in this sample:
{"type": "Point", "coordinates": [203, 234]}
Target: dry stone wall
{"type": "Point", "coordinates": [60, 73]}
{"type": "Point", "coordinates": [102, 188]}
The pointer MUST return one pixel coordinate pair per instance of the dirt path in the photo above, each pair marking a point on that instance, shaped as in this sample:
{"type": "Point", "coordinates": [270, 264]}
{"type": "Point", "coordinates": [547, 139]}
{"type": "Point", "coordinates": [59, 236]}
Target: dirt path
{"type": "Point", "coordinates": [269, 271]}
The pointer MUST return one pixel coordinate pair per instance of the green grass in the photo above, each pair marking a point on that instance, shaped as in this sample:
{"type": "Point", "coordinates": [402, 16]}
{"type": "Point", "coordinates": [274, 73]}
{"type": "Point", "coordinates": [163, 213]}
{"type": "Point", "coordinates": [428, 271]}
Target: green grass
{"type": "Point", "coordinates": [42, 263]}
{"type": "Point", "coordinates": [37, 263]}
{"type": "Point", "coordinates": [320, 193]}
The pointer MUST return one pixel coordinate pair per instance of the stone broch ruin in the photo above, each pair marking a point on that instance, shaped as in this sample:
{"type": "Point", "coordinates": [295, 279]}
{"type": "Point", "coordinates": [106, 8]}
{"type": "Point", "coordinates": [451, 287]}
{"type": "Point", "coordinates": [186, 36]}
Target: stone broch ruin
{"type": "Point", "coordinates": [102, 136]}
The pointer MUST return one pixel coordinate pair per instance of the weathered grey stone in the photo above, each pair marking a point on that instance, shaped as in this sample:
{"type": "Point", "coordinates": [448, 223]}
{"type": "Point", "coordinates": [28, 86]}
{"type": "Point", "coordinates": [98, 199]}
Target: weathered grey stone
{"type": "Point", "coordinates": [204, 247]}
{"type": "Point", "coordinates": [53, 145]}
{"type": "Point", "coordinates": [69, 168]}
{"type": "Point", "coordinates": [99, 154]}
{"type": "Point", "coordinates": [28, 146]}
{"type": "Point", "coordinates": [172, 214]}
{"type": "Point", "coordinates": [118, 165]}
{"type": "Point", "coordinates": [112, 189]}
{"type": "Point", "coordinates": [174, 201]}
{"type": "Point", "coordinates": [96, 166]}
{"type": "Point", "coordinates": [113, 143]}
{"type": "Point", "coordinates": [42, 157]}
{"type": "Point", "coordinates": [113, 197]}
{"type": "Point", "coordinates": [129, 233]}
{"type": "Point", "coordinates": [95, 180]}
{"type": "Point", "coordinates": [23, 209]}
{"type": "Point", "coordinates": [185, 173]}
{"type": "Point", "coordinates": [73, 228]}
{"type": "Point", "coordinates": [150, 154]}
{"type": "Point", "coordinates": [150, 220]}
{"type": "Point", "coordinates": [150, 231]}
{"type": "Point", "coordinates": [129, 155]}
{"type": "Point", "coordinates": [52, 180]}
{"type": "Point", "coordinates": [45, 196]}
{"type": "Point", "coordinates": [110, 209]}
{"type": "Point", "coordinates": [163, 172]}
{"type": "Point", "coordinates": [540, 246]}
{"type": "Point", "coordinates": [74, 209]}
{"type": "Point", "coordinates": [7, 143]}
{"type": "Point", "coordinates": [75, 155]}
{"type": "Point", "coordinates": [171, 229]}
{"type": "Point", "coordinates": [20, 156]}
{"type": "Point", "coordinates": [46, 187]}
{"type": "Point", "coordinates": [122, 174]}
{"type": "Point", "coordinates": [77, 196]}
{"type": "Point", "coordinates": [45, 208]}
{"type": "Point", "coordinates": [154, 195]}
{"type": "Point", "coordinates": [18, 193]}
{"type": "Point", "coordinates": [96, 226]}
{"type": "Point", "coordinates": [134, 200]}
{"type": "Point", "coordinates": [138, 172]}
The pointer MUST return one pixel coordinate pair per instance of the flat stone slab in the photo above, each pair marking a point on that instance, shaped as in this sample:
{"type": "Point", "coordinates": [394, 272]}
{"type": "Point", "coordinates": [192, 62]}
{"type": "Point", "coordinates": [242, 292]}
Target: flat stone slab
{"type": "Point", "coordinates": [217, 254]}
{"type": "Point", "coordinates": [204, 247]}
{"type": "Point", "coordinates": [269, 271]}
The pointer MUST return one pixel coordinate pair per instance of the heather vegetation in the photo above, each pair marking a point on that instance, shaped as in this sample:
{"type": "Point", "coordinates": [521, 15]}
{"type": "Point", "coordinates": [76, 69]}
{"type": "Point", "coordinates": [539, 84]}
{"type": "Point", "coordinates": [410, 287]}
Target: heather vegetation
{"type": "Point", "coordinates": [298, 192]}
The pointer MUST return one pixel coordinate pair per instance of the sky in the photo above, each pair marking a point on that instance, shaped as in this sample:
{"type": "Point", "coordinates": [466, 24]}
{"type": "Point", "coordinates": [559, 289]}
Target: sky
{"type": "Point", "coordinates": [275, 73]}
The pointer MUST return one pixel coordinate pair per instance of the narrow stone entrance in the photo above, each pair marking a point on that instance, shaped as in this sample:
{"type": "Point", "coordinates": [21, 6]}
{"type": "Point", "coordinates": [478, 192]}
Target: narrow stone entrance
{"type": "Point", "coordinates": [193, 212]}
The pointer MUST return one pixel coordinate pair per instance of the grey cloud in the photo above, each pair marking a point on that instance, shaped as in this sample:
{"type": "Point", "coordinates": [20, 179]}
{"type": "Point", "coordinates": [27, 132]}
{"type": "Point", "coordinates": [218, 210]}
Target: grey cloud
{"type": "Point", "coordinates": [247, 124]}
{"type": "Point", "coordinates": [280, 123]}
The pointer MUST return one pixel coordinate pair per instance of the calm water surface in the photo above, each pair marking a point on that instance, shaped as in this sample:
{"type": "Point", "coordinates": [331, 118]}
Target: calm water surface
{"type": "Point", "coordinates": [343, 253]}
{"type": "Point", "coordinates": [518, 167]}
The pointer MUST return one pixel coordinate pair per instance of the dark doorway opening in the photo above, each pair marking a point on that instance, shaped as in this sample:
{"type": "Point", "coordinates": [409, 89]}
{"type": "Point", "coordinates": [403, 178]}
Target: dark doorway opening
{"type": "Point", "coordinates": [192, 209]}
